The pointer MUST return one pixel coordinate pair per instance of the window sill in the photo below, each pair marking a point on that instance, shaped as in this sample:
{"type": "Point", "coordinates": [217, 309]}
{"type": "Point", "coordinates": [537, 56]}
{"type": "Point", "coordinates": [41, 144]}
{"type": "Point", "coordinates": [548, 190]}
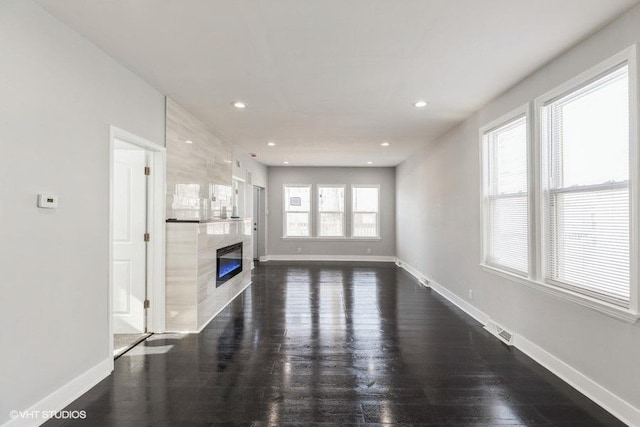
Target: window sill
{"type": "Point", "coordinates": [611, 310]}
{"type": "Point", "coordinates": [334, 239]}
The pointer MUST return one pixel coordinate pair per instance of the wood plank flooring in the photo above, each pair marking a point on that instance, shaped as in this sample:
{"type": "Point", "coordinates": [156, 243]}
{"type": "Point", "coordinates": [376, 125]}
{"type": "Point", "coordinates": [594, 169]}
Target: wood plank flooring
{"type": "Point", "coordinates": [334, 344]}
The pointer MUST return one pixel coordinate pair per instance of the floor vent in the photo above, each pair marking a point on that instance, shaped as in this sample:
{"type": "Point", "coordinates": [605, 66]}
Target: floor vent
{"type": "Point", "coordinates": [500, 333]}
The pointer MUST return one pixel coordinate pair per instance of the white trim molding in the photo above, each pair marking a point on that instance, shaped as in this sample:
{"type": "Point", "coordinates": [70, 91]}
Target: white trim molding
{"type": "Point", "coordinates": [612, 403]}
{"type": "Point", "coordinates": [463, 305]}
{"type": "Point", "coordinates": [62, 397]}
{"type": "Point", "coordinates": [617, 406]}
{"type": "Point", "coordinates": [372, 258]}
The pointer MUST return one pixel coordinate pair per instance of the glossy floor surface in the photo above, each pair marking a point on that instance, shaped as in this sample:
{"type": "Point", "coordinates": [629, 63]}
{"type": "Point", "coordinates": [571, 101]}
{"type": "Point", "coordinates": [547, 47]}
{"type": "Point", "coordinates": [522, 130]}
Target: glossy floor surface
{"type": "Point", "coordinates": [334, 344]}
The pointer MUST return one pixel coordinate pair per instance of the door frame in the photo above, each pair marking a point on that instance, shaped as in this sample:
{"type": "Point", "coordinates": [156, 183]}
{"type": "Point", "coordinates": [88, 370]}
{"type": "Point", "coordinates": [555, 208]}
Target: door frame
{"type": "Point", "coordinates": [156, 227]}
{"type": "Point", "coordinates": [261, 234]}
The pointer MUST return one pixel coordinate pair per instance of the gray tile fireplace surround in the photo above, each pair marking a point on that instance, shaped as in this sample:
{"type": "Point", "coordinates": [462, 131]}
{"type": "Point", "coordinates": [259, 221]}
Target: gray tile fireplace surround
{"type": "Point", "coordinates": [191, 293]}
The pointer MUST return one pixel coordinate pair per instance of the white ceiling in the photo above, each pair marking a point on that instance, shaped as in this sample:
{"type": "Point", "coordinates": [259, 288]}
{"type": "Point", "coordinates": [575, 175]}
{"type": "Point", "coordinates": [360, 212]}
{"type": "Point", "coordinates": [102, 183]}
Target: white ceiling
{"type": "Point", "coordinates": [329, 80]}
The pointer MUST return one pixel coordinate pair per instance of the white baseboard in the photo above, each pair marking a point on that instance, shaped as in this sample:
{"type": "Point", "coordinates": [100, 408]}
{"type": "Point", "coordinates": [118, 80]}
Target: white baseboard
{"type": "Point", "coordinates": [618, 407]}
{"type": "Point", "coordinates": [225, 306]}
{"type": "Point", "coordinates": [62, 397]}
{"type": "Point", "coordinates": [463, 305]}
{"type": "Point", "coordinates": [371, 258]}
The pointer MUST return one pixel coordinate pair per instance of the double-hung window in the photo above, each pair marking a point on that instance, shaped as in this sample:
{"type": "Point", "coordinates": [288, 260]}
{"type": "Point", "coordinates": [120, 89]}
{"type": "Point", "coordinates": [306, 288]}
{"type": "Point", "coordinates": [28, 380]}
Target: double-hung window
{"type": "Point", "coordinates": [331, 211]}
{"type": "Point", "coordinates": [585, 141]}
{"type": "Point", "coordinates": [365, 206]}
{"type": "Point", "coordinates": [506, 193]}
{"type": "Point", "coordinates": [577, 235]}
{"type": "Point", "coordinates": [297, 210]}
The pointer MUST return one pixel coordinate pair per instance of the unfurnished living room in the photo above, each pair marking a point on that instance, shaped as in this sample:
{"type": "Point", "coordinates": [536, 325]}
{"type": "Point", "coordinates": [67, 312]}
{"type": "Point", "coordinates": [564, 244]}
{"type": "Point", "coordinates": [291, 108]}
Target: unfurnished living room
{"type": "Point", "coordinates": [331, 212]}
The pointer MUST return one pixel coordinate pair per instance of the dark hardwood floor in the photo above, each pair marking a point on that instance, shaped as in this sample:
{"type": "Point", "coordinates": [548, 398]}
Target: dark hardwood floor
{"type": "Point", "coordinates": [334, 344]}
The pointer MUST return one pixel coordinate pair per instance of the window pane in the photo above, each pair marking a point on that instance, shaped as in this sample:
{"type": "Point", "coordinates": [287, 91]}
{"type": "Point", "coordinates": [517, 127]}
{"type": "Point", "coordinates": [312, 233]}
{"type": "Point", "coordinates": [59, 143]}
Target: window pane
{"type": "Point", "coordinates": [507, 213]}
{"type": "Point", "coordinates": [331, 199]}
{"type": "Point", "coordinates": [297, 199]}
{"type": "Point", "coordinates": [365, 225]}
{"type": "Point", "coordinates": [509, 158]}
{"type": "Point", "coordinates": [588, 203]}
{"type": "Point", "coordinates": [297, 224]}
{"type": "Point", "coordinates": [590, 136]}
{"type": "Point", "coordinates": [365, 199]}
{"type": "Point", "coordinates": [509, 233]}
{"type": "Point", "coordinates": [589, 247]}
{"type": "Point", "coordinates": [331, 224]}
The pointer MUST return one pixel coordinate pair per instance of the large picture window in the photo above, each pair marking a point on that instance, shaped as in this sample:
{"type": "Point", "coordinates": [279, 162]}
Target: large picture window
{"type": "Point", "coordinates": [331, 211]}
{"type": "Point", "coordinates": [297, 210]}
{"type": "Point", "coordinates": [506, 195]}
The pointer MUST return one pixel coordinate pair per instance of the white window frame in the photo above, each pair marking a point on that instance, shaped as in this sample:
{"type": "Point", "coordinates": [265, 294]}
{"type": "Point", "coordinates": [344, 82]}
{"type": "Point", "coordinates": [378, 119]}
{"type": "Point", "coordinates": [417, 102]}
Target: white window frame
{"type": "Point", "coordinates": [353, 211]}
{"type": "Point", "coordinates": [343, 212]}
{"type": "Point", "coordinates": [285, 211]}
{"type": "Point", "coordinates": [537, 215]}
{"type": "Point", "coordinates": [523, 111]}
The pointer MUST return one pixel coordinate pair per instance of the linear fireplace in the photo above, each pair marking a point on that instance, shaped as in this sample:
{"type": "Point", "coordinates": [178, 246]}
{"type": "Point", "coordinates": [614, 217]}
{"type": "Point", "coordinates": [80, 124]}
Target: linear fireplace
{"type": "Point", "coordinates": [229, 262]}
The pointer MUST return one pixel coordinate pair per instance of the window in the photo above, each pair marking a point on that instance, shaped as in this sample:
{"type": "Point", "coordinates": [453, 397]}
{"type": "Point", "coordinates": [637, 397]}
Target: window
{"type": "Point", "coordinates": [364, 220]}
{"type": "Point", "coordinates": [297, 210]}
{"type": "Point", "coordinates": [577, 235]}
{"type": "Point", "coordinates": [506, 195]}
{"type": "Point", "coordinates": [331, 211]}
{"type": "Point", "coordinates": [585, 138]}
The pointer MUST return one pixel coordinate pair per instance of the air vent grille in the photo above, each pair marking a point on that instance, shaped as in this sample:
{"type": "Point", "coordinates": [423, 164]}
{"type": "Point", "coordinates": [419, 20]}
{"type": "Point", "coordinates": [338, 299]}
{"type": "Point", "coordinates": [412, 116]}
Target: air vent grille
{"type": "Point", "coordinates": [499, 332]}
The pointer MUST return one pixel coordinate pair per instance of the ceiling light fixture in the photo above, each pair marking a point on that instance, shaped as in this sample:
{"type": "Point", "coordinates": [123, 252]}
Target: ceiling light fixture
{"type": "Point", "coordinates": [385, 144]}
{"type": "Point", "coordinates": [369, 163]}
{"type": "Point", "coordinates": [271, 143]}
{"type": "Point", "coordinates": [239, 105]}
{"type": "Point", "coordinates": [285, 162]}
{"type": "Point", "coordinates": [188, 141]}
{"type": "Point", "coordinates": [420, 104]}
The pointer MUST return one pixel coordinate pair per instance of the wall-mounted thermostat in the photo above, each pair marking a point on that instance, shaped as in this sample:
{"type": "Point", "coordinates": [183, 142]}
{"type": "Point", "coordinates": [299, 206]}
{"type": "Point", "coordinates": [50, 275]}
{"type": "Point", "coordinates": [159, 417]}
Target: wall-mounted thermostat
{"type": "Point", "coordinates": [47, 201]}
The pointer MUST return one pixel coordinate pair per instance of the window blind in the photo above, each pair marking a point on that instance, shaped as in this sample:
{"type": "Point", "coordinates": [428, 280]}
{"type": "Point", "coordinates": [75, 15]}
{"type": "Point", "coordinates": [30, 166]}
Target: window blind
{"type": "Point", "coordinates": [587, 197]}
{"type": "Point", "coordinates": [506, 197]}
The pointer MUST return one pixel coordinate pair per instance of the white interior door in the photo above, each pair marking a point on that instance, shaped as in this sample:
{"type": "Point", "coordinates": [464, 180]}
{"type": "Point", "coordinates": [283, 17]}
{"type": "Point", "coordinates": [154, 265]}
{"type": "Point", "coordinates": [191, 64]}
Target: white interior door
{"type": "Point", "coordinates": [129, 247]}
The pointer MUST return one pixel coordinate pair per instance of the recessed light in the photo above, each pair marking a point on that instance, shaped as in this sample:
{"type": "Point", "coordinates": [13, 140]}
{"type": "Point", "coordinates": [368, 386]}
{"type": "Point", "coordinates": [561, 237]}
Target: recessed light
{"type": "Point", "coordinates": [285, 162]}
{"type": "Point", "coordinates": [239, 105]}
{"type": "Point", "coordinates": [271, 143]}
{"type": "Point", "coordinates": [420, 104]}
{"type": "Point", "coordinates": [227, 161]}
{"type": "Point", "coordinates": [188, 141]}
{"type": "Point", "coordinates": [369, 163]}
{"type": "Point", "coordinates": [385, 144]}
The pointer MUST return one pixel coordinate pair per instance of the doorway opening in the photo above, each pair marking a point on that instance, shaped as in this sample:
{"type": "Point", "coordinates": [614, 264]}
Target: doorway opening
{"type": "Point", "coordinates": [259, 222]}
{"type": "Point", "coordinates": [136, 266]}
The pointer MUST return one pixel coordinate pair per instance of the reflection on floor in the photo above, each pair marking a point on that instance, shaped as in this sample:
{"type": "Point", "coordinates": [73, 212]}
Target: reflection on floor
{"type": "Point", "coordinates": [335, 344]}
{"type": "Point", "coordinates": [123, 342]}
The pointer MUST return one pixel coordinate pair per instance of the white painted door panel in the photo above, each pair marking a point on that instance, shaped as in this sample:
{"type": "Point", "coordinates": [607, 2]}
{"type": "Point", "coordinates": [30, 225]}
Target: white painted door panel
{"type": "Point", "coordinates": [129, 247]}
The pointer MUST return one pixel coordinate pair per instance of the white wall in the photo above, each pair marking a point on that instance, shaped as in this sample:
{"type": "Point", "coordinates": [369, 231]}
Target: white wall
{"type": "Point", "coordinates": [278, 176]}
{"type": "Point", "coordinates": [59, 94]}
{"type": "Point", "coordinates": [247, 164]}
{"type": "Point", "coordinates": [438, 233]}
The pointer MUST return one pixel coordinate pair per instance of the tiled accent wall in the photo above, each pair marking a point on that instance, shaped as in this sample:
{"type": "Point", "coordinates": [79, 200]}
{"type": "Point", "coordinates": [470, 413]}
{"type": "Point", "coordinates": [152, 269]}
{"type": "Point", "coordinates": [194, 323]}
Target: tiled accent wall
{"type": "Point", "coordinates": [198, 173]}
{"type": "Point", "coordinates": [192, 295]}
